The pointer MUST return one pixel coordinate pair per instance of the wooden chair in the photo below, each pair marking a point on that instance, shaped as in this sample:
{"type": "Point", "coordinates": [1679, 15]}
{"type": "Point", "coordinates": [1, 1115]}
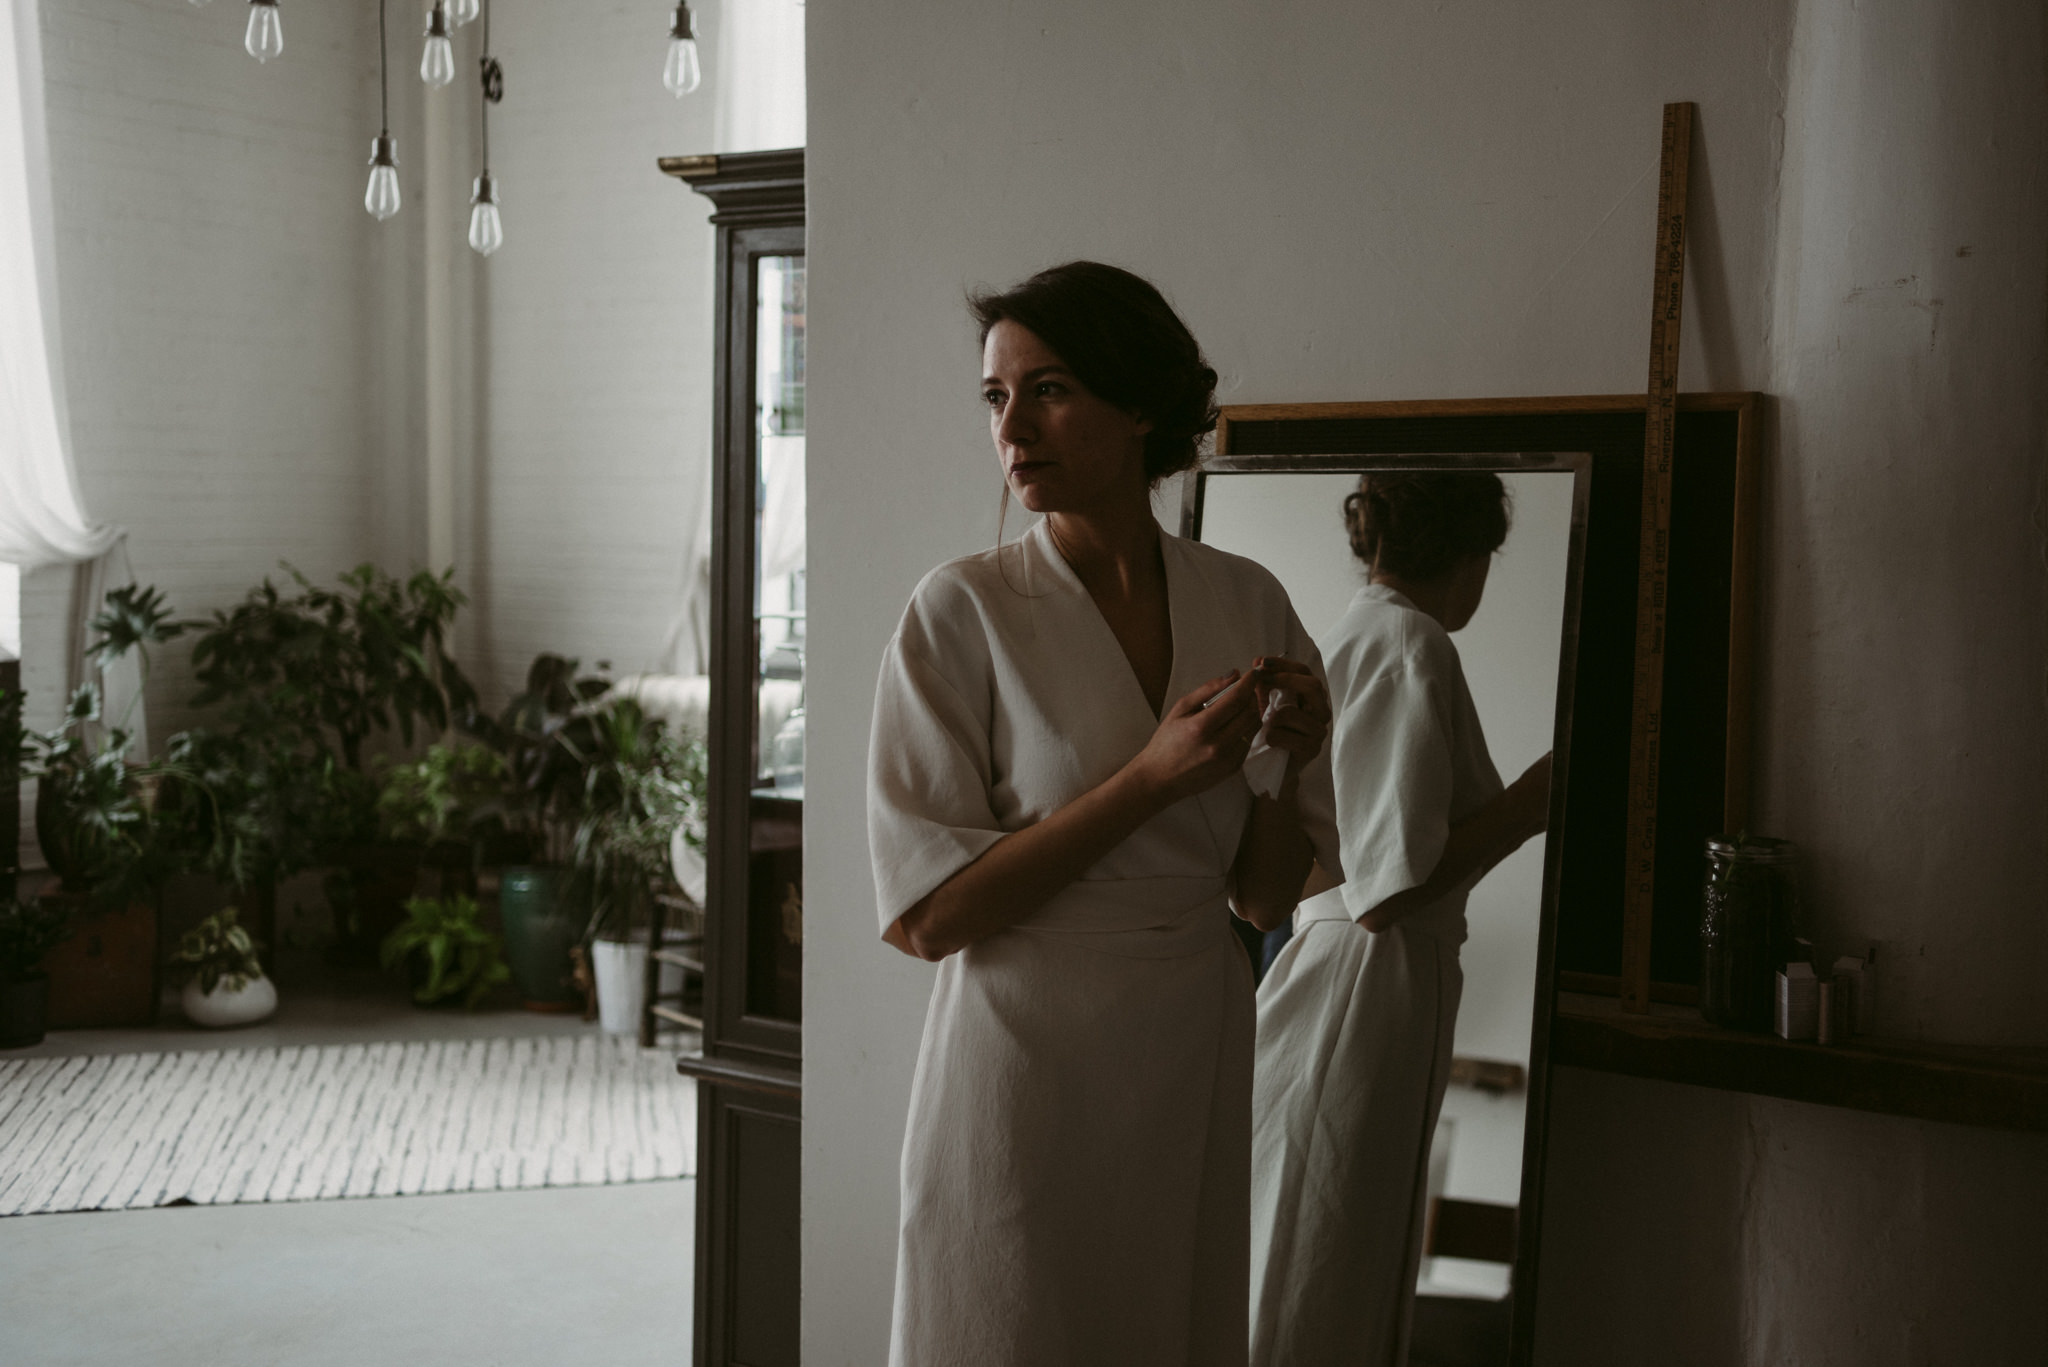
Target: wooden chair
{"type": "Point", "coordinates": [675, 935]}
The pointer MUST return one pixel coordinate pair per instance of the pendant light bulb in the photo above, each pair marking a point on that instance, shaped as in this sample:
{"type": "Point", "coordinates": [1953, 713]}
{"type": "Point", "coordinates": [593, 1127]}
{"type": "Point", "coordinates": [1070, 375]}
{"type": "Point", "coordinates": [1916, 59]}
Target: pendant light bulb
{"type": "Point", "coordinates": [382, 198]}
{"type": "Point", "coordinates": [437, 63]}
{"type": "Point", "coordinates": [265, 38]}
{"type": "Point", "coordinates": [461, 12]}
{"type": "Point", "coordinates": [486, 232]}
{"type": "Point", "coordinates": [682, 73]}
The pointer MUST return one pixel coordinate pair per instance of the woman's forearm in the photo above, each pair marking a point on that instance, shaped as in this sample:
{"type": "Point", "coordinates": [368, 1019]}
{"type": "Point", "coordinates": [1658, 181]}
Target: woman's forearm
{"type": "Point", "coordinates": [1273, 861]}
{"type": "Point", "coordinates": [1475, 845]}
{"type": "Point", "coordinates": [1025, 869]}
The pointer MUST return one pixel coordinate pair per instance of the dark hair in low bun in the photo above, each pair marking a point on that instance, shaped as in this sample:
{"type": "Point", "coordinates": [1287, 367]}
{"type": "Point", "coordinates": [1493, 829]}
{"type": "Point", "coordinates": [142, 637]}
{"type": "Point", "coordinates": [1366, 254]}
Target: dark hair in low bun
{"type": "Point", "coordinates": [1122, 340]}
{"type": "Point", "coordinates": [1420, 524]}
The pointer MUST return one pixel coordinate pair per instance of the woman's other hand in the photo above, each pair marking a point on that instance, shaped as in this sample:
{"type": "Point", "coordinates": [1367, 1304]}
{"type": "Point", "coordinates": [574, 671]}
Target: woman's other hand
{"type": "Point", "coordinates": [1303, 725]}
{"type": "Point", "coordinates": [1201, 740]}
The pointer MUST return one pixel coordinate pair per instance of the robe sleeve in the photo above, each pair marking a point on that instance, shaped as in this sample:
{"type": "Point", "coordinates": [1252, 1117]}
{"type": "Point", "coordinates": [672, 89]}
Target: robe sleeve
{"type": "Point", "coordinates": [929, 772]}
{"type": "Point", "coordinates": [1391, 751]}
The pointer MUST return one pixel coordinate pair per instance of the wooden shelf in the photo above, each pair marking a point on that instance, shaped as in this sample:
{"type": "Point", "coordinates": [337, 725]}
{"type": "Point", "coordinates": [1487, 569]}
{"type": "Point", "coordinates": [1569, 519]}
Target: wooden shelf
{"type": "Point", "coordinates": [1999, 1088]}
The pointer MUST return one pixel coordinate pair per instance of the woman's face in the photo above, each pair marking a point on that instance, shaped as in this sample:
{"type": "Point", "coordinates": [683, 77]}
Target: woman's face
{"type": "Point", "coordinates": [1062, 449]}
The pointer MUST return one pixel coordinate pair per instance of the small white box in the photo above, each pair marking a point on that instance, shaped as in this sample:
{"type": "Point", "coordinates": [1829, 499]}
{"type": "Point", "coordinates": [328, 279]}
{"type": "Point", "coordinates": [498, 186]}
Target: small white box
{"type": "Point", "coordinates": [1798, 1003]}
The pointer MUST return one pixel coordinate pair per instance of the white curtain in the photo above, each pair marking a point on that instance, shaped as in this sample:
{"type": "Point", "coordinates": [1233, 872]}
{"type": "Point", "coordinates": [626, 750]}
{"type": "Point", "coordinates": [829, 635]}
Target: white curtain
{"type": "Point", "coordinates": [756, 76]}
{"type": "Point", "coordinates": [42, 517]}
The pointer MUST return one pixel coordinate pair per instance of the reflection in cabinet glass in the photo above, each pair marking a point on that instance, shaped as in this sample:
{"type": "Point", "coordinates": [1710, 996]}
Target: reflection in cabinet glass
{"type": "Point", "coordinates": [774, 986]}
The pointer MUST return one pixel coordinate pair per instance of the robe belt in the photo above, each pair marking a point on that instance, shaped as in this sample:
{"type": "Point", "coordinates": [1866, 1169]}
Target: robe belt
{"type": "Point", "coordinates": [1137, 918]}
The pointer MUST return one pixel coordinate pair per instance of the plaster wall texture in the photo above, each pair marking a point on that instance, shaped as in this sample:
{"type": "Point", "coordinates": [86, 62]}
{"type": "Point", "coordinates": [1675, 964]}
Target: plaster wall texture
{"type": "Point", "coordinates": [219, 285]}
{"type": "Point", "coordinates": [1435, 201]}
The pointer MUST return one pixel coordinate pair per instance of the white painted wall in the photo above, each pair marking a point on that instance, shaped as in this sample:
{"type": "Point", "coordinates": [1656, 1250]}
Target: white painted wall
{"type": "Point", "coordinates": [593, 327]}
{"type": "Point", "coordinates": [1412, 200]}
{"type": "Point", "coordinates": [586, 466]}
{"type": "Point", "coordinates": [219, 284]}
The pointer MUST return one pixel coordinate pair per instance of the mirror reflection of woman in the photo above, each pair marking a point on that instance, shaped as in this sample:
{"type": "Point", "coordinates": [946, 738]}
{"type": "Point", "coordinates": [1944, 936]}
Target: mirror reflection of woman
{"type": "Point", "coordinates": [1059, 817]}
{"type": "Point", "coordinates": [1357, 1013]}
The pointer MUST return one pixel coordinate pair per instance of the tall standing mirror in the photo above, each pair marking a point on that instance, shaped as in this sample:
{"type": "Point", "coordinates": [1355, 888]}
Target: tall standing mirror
{"type": "Point", "coordinates": [1477, 1180]}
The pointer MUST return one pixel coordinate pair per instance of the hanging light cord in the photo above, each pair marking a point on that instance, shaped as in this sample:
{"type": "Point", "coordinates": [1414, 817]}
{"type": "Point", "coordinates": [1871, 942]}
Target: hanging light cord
{"type": "Point", "coordinates": [383, 72]}
{"type": "Point", "coordinates": [485, 102]}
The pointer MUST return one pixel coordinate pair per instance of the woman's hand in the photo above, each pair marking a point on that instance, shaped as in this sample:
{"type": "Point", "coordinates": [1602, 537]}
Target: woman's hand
{"type": "Point", "coordinates": [1301, 727]}
{"type": "Point", "coordinates": [1201, 740]}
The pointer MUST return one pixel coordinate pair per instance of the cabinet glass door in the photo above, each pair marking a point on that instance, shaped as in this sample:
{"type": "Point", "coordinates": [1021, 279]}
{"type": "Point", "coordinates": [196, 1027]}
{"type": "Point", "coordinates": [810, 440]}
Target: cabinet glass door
{"type": "Point", "coordinates": [774, 979]}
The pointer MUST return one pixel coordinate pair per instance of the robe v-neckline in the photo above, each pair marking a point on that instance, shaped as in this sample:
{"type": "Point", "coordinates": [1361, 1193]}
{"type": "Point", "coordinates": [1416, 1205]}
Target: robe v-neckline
{"type": "Point", "coordinates": [1066, 572]}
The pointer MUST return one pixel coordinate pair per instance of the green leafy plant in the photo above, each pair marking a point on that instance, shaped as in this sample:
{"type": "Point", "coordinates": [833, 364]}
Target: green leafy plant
{"type": "Point", "coordinates": [338, 666]}
{"type": "Point", "coordinates": [639, 784]}
{"type": "Point", "coordinates": [217, 952]}
{"type": "Point", "coordinates": [445, 794]}
{"type": "Point", "coordinates": [93, 810]}
{"type": "Point", "coordinates": [543, 775]}
{"type": "Point", "coordinates": [91, 819]}
{"type": "Point", "coordinates": [29, 930]}
{"type": "Point", "coordinates": [444, 944]}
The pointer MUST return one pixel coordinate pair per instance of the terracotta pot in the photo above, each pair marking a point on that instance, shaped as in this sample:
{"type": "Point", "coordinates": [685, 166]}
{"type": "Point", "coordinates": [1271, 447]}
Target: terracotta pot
{"type": "Point", "coordinates": [105, 973]}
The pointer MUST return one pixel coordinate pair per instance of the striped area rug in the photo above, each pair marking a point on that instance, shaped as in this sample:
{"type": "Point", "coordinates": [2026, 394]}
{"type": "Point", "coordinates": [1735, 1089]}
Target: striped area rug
{"type": "Point", "coordinates": [121, 1131]}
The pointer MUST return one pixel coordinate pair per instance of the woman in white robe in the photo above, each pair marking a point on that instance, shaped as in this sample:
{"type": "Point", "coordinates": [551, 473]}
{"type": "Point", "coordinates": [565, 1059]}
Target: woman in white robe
{"type": "Point", "coordinates": [1058, 815]}
{"type": "Point", "coordinates": [1356, 1015]}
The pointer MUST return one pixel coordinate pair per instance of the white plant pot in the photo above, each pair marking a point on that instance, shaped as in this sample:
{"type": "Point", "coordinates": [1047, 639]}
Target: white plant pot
{"type": "Point", "coordinates": [621, 971]}
{"type": "Point", "coordinates": [221, 1008]}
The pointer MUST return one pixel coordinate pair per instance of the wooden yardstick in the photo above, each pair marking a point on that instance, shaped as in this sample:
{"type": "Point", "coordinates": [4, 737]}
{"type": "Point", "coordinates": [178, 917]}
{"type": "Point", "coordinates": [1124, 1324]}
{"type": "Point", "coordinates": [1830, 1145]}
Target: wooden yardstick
{"type": "Point", "coordinates": [1654, 567]}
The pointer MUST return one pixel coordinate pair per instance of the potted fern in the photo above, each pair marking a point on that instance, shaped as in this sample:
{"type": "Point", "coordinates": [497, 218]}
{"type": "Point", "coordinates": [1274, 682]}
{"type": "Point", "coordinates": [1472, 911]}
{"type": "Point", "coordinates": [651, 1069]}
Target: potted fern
{"type": "Point", "coordinates": [223, 978]}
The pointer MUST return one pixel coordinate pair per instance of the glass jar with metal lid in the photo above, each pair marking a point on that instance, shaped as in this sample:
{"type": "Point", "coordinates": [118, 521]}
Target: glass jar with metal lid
{"type": "Point", "coordinates": [1749, 919]}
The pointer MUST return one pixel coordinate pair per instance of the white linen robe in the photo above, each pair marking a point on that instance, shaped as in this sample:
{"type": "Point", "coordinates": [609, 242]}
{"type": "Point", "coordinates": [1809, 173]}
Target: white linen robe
{"type": "Point", "coordinates": [1355, 1028]}
{"type": "Point", "coordinates": [1075, 1164]}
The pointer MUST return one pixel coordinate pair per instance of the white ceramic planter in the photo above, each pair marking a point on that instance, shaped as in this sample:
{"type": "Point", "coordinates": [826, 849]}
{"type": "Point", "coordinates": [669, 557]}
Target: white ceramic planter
{"type": "Point", "coordinates": [220, 1008]}
{"type": "Point", "coordinates": [621, 971]}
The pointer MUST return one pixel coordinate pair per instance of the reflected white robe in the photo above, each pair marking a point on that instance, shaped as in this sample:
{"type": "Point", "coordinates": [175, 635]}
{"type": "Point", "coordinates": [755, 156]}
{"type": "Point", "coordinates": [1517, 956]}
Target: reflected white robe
{"type": "Point", "coordinates": [1355, 1028]}
{"type": "Point", "coordinates": [1075, 1164]}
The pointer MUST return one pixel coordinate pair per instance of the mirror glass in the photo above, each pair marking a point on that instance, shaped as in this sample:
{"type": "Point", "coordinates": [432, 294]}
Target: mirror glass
{"type": "Point", "coordinates": [1292, 522]}
{"type": "Point", "coordinates": [774, 984]}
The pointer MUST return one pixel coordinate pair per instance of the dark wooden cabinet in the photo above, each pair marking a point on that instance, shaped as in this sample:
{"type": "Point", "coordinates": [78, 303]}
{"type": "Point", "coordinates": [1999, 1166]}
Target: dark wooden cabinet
{"type": "Point", "coordinates": [749, 1074]}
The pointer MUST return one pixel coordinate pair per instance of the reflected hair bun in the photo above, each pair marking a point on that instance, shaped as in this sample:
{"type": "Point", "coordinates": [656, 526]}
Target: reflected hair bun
{"type": "Point", "coordinates": [1420, 524]}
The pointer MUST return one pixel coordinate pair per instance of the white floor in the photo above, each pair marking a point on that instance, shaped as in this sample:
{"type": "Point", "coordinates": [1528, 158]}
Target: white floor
{"type": "Point", "coordinates": [496, 1279]}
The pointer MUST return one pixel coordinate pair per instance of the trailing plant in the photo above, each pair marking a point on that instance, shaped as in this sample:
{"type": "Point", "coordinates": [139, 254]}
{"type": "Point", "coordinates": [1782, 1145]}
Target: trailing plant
{"type": "Point", "coordinates": [446, 794]}
{"type": "Point", "coordinates": [217, 952]}
{"type": "Point", "coordinates": [337, 666]}
{"type": "Point", "coordinates": [456, 955]}
{"type": "Point", "coordinates": [29, 930]}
